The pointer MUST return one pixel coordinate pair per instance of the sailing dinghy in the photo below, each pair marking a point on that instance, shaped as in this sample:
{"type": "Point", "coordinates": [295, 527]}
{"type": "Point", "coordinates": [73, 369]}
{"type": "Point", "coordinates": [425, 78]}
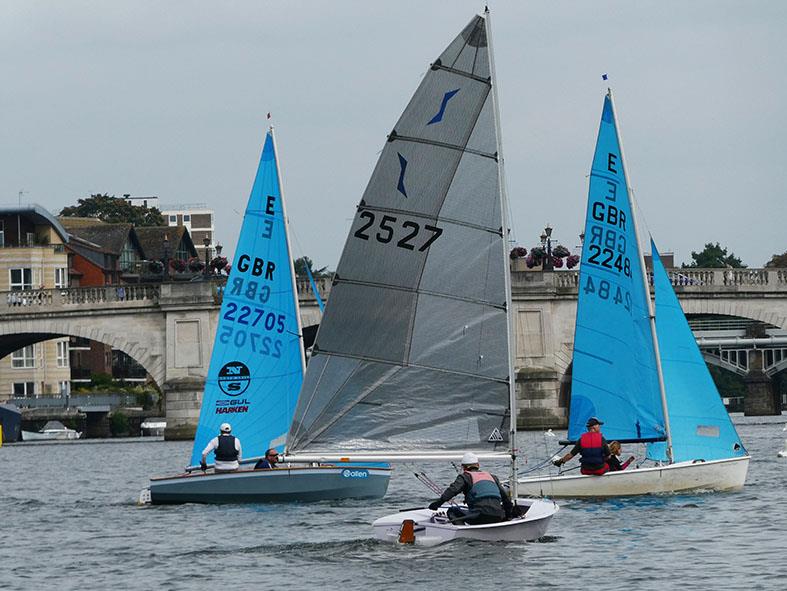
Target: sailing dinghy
{"type": "Point", "coordinates": [412, 360]}
{"type": "Point", "coordinates": [256, 371]}
{"type": "Point", "coordinates": [644, 377]}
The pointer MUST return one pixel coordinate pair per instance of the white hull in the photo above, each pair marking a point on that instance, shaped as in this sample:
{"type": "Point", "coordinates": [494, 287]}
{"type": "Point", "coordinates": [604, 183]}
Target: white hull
{"type": "Point", "coordinates": [51, 435]}
{"type": "Point", "coordinates": [432, 527]}
{"type": "Point", "coordinates": [716, 475]}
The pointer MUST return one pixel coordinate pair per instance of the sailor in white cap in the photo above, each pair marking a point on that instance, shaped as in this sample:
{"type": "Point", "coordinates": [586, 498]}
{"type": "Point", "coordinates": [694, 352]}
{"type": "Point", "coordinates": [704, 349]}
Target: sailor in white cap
{"type": "Point", "coordinates": [228, 451]}
{"type": "Point", "coordinates": [487, 501]}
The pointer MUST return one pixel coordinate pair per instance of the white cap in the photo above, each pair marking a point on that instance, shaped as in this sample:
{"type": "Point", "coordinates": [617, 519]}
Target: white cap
{"type": "Point", "coordinates": [469, 458]}
{"type": "Point", "coordinates": [225, 428]}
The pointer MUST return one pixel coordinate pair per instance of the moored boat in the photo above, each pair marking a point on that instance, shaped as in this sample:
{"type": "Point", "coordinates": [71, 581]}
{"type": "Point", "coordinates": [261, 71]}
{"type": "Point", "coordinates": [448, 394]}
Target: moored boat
{"type": "Point", "coordinates": [52, 431]}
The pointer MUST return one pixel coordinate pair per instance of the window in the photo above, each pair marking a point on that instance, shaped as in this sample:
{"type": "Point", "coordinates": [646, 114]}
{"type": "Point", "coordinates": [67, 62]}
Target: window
{"type": "Point", "coordinates": [62, 353]}
{"type": "Point", "coordinates": [31, 238]}
{"type": "Point", "coordinates": [186, 218]}
{"type": "Point", "coordinates": [64, 387]}
{"type": "Point", "coordinates": [24, 357]}
{"type": "Point", "coordinates": [127, 256]}
{"type": "Point", "coordinates": [21, 279]}
{"type": "Point", "coordinates": [24, 389]}
{"type": "Point", "coordinates": [61, 277]}
{"type": "Point", "coordinates": [173, 219]}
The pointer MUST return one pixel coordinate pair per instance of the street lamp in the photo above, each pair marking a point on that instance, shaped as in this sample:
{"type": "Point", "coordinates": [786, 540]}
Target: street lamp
{"type": "Point", "coordinates": [206, 242]}
{"type": "Point", "coordinates": [546, 242]}
{"type": "Point", "coordinates": [166, 258]}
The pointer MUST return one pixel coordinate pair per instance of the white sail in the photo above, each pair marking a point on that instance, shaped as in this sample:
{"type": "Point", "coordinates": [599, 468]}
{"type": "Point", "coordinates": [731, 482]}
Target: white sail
{"type": "Point", "coordinates": [413, 351]}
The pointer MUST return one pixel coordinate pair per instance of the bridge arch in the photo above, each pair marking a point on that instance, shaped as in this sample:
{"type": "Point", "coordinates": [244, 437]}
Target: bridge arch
{"type": "Point", "coordinates": [35, 330]}
{"type": "Point", "coordinates": [754, 309]}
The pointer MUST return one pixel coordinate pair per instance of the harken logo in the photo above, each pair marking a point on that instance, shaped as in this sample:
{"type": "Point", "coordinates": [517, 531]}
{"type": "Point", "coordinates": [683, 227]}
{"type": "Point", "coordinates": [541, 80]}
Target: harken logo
{"type": "Point", "coordinates": [495, 435]}
{"type": "Point", "coordinates": [234, 378]}
{"type": "Point", "coordinates": [355, 473]}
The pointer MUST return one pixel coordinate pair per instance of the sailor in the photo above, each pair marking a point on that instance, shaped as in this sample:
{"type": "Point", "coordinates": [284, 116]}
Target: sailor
{"type": "Point", "coordinates": [613, 461]}
{"type": "Point", "coordinates": [228, 451]}
{"type": "Point", "coordinates": [487, 501]}
{"type": "Point", "coordinates": [269, 461]}
{"type": "Point", "coordinates": [593, 449]}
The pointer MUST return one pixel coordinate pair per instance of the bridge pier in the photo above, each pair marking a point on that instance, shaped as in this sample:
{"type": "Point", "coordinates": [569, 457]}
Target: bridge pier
{"type": "Point", "coordinates": [184, 398]}
{"type": "Point", "coordinates": [761, 397]}
{"type": "Point", "coordinates": [538, 399]}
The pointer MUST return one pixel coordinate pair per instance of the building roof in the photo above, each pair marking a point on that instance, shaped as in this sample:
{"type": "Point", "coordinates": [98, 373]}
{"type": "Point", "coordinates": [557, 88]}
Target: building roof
{"type": "Point", "coordinates": [110, 237]}
{"type": "Point", "coordinates": [39, 215]}
{"type": "Point", "coordinates": [151, 239]}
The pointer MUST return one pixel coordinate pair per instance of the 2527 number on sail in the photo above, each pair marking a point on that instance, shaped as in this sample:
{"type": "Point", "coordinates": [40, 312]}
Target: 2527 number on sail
{"type": "Point", "coordinates": [407, 234]}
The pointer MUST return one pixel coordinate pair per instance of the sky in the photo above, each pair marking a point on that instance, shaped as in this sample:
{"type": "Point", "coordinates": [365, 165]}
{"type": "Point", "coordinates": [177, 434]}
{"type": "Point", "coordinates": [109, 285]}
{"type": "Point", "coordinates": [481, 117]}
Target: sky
{"type": "Point", "coordinates": [170, 99]}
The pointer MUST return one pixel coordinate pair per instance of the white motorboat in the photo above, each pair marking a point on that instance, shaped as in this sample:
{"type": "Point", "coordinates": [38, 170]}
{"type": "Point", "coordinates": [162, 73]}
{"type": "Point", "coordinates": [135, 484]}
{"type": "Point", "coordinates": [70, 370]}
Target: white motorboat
{"type": "Point", "coordinates": [636, 368]}
{"type": "Point", "coordinates": [429, 528]}
{"type": "Point", "coordinates": [53, 430]}
{"type": "Point", "coordinates": [153, 426]}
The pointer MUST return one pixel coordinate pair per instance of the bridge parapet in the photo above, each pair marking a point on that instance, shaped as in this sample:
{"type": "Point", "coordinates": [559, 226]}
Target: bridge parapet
{"type": "Point", "coordinates": [73, 298]}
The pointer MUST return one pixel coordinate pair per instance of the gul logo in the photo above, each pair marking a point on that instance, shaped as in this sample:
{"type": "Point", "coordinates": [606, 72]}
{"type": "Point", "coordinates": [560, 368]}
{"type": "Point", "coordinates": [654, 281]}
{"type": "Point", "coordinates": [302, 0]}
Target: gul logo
{"type": "Point", "coordinates": [355, 473]}
{"type": "Point", "coordinates": [234, 378]}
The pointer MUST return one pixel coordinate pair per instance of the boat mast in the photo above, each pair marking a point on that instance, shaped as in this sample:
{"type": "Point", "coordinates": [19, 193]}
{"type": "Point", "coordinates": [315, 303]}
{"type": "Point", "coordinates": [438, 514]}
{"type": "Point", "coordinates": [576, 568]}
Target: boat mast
{"type": "Point", "coordinates": [512, 403]}
{"type": "Point", "coordinates": [289, 252]}
{"type": "Point", "coordinates": [651, 313]}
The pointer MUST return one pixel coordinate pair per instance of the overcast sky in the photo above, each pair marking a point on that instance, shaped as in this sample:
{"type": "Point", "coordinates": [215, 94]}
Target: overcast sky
{"type": "Point", "coordinates": [170, 98]}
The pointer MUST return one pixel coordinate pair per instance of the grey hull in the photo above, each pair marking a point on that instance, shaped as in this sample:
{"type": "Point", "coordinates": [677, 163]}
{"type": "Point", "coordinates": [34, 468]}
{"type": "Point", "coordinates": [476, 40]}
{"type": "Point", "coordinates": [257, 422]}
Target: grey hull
{"type": "Point", "coordinates": [305, 484]}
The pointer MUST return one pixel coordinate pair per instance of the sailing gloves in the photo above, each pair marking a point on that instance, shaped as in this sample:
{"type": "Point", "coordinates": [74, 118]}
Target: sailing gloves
{"type": "Point", "coordinates": [558, 462]}
{"type": "Point", "coordinates": [435, 505]}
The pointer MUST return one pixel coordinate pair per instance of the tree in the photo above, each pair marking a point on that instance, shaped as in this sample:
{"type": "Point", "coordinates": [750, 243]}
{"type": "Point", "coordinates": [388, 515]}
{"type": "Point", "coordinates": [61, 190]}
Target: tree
{"type": "Point", "coordinates": [114, 210]}
{"type": "Point", "coordinates": [714, 256]}
{"type": "Point", "coordinates": [302, 263]}
{"type": "Point", "coordinates": [778, 260]}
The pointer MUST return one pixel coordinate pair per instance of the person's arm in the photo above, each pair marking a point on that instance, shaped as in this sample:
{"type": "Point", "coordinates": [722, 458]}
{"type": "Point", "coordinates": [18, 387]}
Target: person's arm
{"type": "Point", "coordinates": [625, 464]}
{"type": "Point", "coordinates": [239, 448]}
{"type": "Point", "coordinates": [212, 444]}
{"type": "Point", "coordinates": [508, 506]}
{"type": "Point", "coordinates": [574, 451]}
{"type": "Point", "coordinates": [454, 489]}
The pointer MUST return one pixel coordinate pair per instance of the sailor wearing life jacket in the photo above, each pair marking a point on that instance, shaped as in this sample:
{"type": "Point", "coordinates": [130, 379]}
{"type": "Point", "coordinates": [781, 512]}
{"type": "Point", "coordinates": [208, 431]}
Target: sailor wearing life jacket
{"type": "Point", "coordinates": [228, 451]}
{"type": "Point", "coordinates": [487, 501]}
{"type": "Point", "coordinates": [592, 448]}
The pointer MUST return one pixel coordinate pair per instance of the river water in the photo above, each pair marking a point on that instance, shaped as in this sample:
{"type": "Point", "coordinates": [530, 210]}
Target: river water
{"type": "Point", "coordinates": [69, 520]}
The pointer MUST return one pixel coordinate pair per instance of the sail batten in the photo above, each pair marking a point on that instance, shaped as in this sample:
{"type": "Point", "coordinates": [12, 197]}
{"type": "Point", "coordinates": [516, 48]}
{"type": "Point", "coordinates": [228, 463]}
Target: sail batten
{"type": "Point", "coordinates": [412, 352]}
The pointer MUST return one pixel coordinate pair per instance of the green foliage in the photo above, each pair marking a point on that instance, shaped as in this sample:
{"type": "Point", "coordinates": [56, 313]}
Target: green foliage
{"type": "Point", "coordinates": [302, 263]}
{"type": "Point", "coordinates": [778, 260]}
{"type": "Point", "coordinates": [713, 256]}
{"type": "Point", "coordinates": [114, 210]}
{"type": "Point", "coordinates": [100, 380]}
{"type": "Point", "coordinates": [118, 424]}
{"type": "Point", "coordinates": [145, 399]}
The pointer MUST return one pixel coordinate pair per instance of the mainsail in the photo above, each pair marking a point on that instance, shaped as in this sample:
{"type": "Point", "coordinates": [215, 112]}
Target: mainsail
{"type": "Point", "coordinates": [257, 366]}
{"type": "Point", "coordinates": [412, 352]}
{"type": "Point", "coordinates": [701, 427]}
{"type": "Point", "coordinates": [614, 374]}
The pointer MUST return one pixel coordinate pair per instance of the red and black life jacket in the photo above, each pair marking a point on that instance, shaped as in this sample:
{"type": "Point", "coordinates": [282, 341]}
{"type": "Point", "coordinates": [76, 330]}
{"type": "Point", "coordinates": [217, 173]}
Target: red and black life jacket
{"type": "Point", "coordinates": [592, 459]}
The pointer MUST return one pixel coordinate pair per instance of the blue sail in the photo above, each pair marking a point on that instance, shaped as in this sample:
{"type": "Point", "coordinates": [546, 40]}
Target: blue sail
{"type": "Point", "coordinates": [614, 373]}
{"type": "Point", "coordinates": [700, 425]}
{"type": "Point", "coordinates": [257, 365]}
{"type": "Point", "coordinates": [314, 288]}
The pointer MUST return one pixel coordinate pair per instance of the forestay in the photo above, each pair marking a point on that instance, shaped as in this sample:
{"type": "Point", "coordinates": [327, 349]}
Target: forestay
{"type": "Point", "coordinates": [256, 370]}
{"type": "Point", "coordinates": [701, 427]}
{"type": "Point", "coordinates": [412, 353]}
{"type": "Point", "coordinates": [614, 374]}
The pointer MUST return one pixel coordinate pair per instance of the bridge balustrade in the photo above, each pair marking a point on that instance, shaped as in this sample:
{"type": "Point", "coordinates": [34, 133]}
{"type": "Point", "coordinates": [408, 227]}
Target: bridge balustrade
{"type": "Point", "coordinates": [25, 301]}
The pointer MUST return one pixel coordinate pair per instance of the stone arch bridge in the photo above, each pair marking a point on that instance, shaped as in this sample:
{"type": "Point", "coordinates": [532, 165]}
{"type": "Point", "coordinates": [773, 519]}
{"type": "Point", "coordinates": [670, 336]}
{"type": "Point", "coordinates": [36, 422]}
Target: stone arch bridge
{"type": "Point", "coordinates": [167, 328]}
{"type": "Point", "coordinates": [739, 317]}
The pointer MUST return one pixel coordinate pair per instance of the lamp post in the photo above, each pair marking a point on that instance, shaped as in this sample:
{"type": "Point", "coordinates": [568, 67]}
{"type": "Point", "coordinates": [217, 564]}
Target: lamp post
{"type": "Point", "coordinates": [206, 242]}
{"type": "Point", "coordinates": [546, 242]}
{"type": "Point", "coordinates": [166, 258]}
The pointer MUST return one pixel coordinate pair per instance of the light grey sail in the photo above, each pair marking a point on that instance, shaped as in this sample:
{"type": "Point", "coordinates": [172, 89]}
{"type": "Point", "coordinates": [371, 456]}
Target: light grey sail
{"type": "Point", "coordinates": [412, 352]}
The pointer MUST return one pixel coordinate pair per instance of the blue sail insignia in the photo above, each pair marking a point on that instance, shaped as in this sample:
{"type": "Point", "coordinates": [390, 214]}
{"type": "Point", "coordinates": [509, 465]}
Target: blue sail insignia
{"type": "Point", "coordinates": [256, 368]}
{"type": "Point", "coordinates": [446, 97]}
{"type": "Point", "coordinates": [614, 373]}
{"type": "Point", "coordinates": [403, 165]}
